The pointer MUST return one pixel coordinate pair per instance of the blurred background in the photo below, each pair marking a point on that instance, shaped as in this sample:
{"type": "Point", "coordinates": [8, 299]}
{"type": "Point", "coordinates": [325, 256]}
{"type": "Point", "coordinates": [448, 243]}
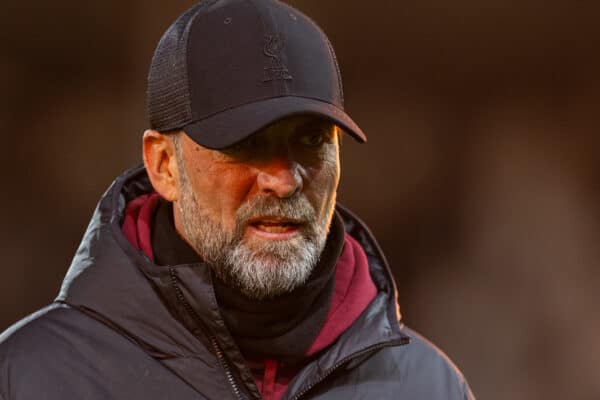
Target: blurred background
{"type": "Point", "coordinates": [480, 178]}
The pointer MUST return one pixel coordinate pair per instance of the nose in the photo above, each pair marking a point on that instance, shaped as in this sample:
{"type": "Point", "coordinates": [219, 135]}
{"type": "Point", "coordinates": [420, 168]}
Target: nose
{"type": "Point", "coordinates": [280, 177]}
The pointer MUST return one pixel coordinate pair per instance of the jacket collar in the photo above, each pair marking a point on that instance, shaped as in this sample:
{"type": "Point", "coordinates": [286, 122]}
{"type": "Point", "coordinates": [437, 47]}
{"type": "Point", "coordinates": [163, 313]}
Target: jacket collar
{"type": "Point", "coordinates": [112, 281]}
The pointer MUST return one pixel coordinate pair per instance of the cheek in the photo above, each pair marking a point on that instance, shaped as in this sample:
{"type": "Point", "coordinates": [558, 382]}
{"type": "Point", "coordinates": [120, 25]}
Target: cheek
{"type": "Point", "coordinates": [322, 182]}
{"type": "Point", "coordinates": [221, 189]}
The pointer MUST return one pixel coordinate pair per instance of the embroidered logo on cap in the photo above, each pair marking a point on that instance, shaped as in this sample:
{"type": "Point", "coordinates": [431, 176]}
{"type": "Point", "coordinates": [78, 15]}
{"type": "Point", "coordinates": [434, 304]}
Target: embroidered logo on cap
{"type": "Point", "coordinates": [274, 45]}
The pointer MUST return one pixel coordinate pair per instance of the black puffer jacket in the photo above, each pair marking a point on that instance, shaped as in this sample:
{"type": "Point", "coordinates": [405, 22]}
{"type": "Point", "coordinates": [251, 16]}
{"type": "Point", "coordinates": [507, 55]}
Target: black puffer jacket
{"type": "Point", "coordinates": [123, 328]}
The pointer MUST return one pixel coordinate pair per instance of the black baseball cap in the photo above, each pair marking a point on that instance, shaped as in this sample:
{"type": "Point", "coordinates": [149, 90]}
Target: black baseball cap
{"type": "Point", "coordinates": [228, 68]}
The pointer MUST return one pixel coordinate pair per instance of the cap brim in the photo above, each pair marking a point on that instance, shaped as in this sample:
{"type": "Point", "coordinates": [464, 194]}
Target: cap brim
{"type": "Point", "coordinates": [230, 126]}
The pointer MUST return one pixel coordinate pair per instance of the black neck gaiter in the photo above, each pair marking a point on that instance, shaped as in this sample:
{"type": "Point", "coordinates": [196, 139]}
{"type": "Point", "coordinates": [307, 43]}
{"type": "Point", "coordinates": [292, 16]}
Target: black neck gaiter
{"type": "Point", "coordinates": [283, 327]}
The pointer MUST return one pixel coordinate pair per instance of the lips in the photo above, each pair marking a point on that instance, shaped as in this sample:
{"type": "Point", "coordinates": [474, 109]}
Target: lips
{"type": "Point", "coordinates": [274, 227]}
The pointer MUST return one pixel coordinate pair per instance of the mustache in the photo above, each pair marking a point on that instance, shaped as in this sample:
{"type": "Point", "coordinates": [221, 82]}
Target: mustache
{"type": "Point", "coordinates": [295, 208]}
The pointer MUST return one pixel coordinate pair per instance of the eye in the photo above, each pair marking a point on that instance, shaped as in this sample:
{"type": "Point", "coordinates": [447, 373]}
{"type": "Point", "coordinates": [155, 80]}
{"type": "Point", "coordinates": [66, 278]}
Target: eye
{"type": "Point", "coordinates": [317, 135]}
{"type": "Point", "coordinates": [312, 139]}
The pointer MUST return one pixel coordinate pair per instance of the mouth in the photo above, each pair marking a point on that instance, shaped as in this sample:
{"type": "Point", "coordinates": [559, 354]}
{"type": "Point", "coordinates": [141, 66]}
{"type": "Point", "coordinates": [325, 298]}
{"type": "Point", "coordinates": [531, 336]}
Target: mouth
{"type": "Point", "coordinates": [274, 227]}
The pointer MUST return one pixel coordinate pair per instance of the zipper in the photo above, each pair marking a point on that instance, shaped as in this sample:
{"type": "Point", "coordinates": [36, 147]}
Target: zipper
{"type": "Point", "coordinates": [343, 361]}
{"type": "Point", "coordinates": [225, 365]}
{"type": "Point", "coordinates": [213, 339]}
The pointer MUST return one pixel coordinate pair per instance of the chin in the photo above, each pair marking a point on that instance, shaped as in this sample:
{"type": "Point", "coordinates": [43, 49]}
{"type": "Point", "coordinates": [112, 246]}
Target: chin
{"type": "Point", "coordinates": [274, 268]}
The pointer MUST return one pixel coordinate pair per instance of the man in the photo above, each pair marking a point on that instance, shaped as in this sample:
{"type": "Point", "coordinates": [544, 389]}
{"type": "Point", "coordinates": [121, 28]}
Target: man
{"type": "Point", "coordinates": [223, 268]}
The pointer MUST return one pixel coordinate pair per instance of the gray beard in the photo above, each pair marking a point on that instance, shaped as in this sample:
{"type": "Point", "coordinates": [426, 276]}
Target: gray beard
{"type": "Point", "coordinates": [260, 269]}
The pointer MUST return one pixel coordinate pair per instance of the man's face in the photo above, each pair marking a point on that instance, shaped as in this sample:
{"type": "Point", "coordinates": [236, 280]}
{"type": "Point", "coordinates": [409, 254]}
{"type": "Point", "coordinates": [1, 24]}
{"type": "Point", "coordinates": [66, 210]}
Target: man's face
{"type": "Point", "coordinates": [259, 211]}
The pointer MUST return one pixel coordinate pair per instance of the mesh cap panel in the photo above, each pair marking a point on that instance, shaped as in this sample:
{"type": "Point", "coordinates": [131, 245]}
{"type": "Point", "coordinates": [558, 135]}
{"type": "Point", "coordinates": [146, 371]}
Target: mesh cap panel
{"type": "Point", "coordinates": [168, 94]}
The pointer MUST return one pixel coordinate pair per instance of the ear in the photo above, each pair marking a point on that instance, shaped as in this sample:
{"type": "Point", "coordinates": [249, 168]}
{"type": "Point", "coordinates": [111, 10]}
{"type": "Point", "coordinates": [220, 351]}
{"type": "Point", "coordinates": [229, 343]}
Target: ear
{"type": "Point", "coordinates": [161, 163]}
